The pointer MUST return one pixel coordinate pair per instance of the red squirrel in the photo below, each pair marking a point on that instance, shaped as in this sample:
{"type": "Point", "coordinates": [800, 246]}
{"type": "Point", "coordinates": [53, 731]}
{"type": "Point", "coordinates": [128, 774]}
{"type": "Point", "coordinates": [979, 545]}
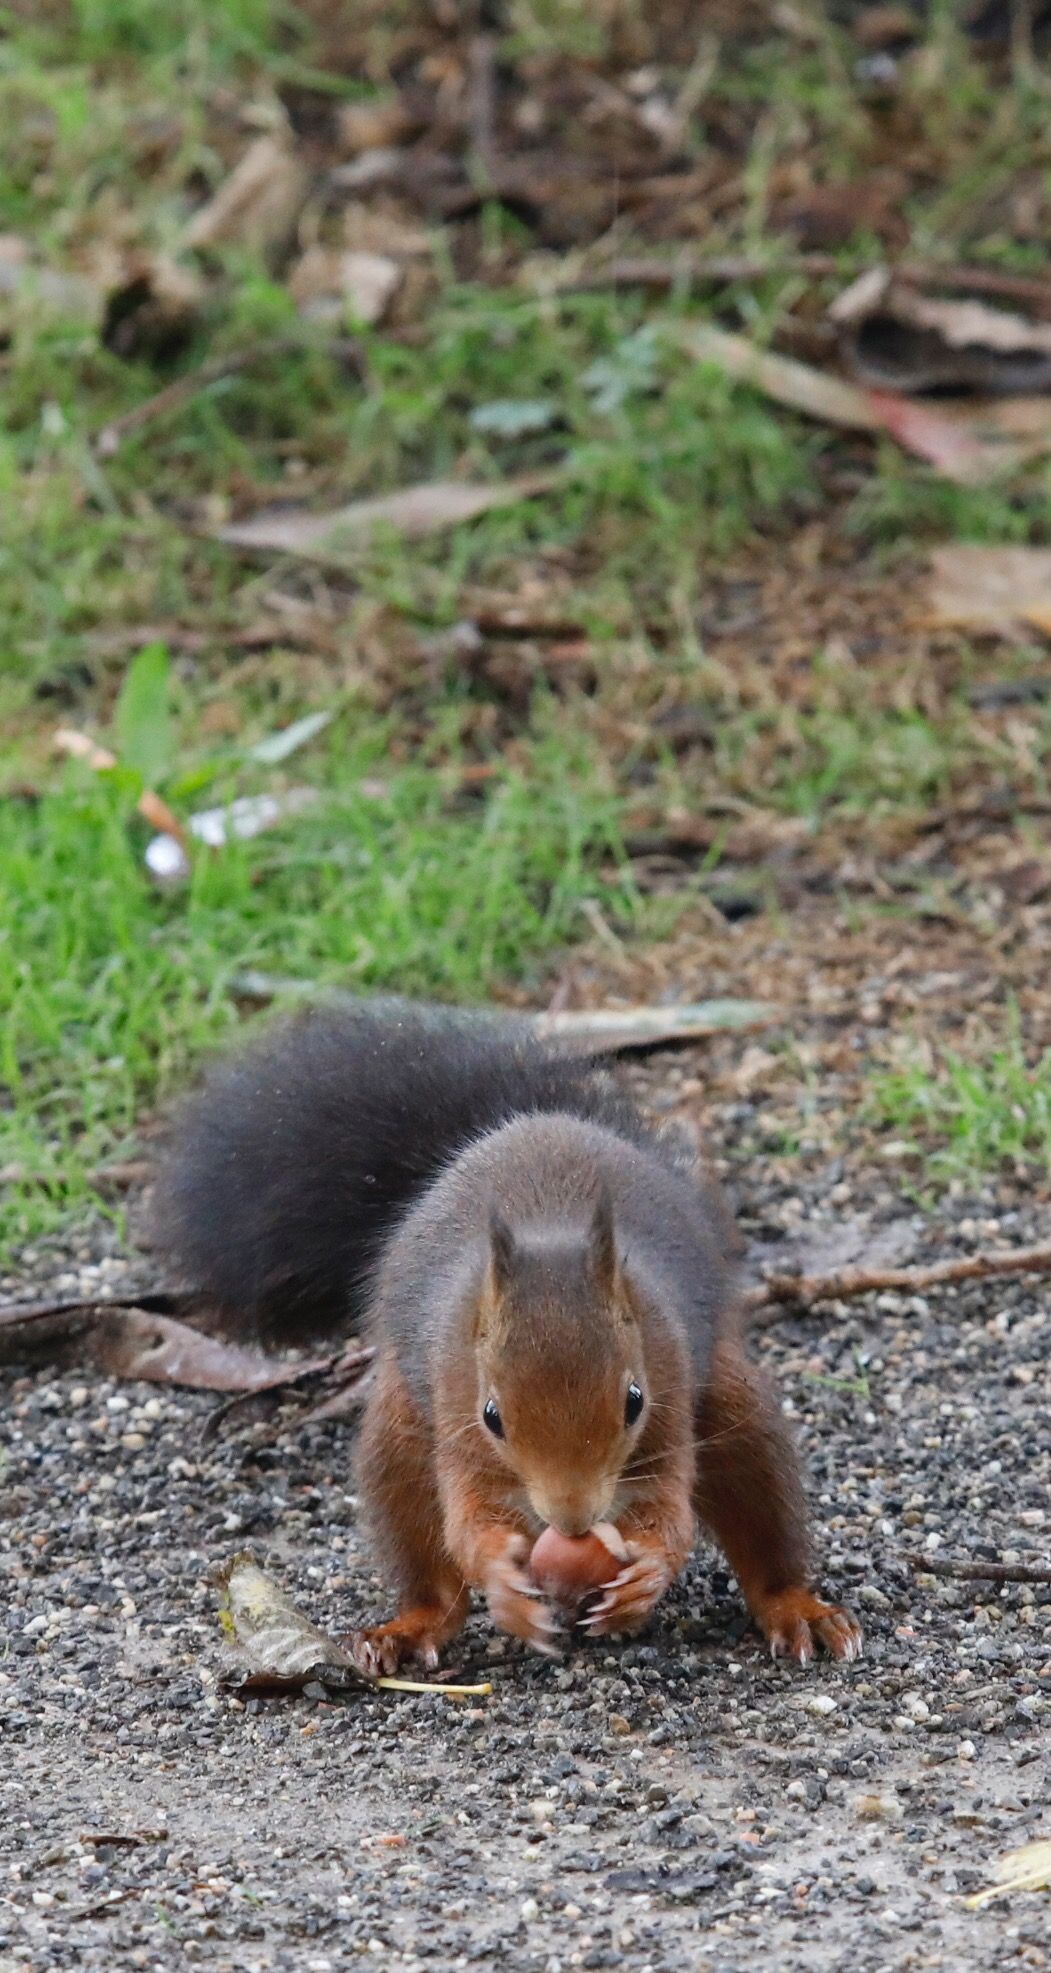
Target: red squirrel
{"type": "Point", "coordinates": [547, 1287]}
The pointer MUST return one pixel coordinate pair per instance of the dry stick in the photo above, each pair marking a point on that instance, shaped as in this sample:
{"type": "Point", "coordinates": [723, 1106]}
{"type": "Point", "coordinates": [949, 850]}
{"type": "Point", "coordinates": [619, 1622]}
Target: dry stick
{"type": "Point", "coordinates": [644, 272]}
{"type": "Point", "coordinates": [349, 1366]}
{"type": "Point", "coordinates": [801, 1291]}
{"type": "Point", "coordinates": [992, 1572]}
{"type": "Point", "coordinates": [649, 272]}
{"type": "Point", "coordinates": [172, 398]}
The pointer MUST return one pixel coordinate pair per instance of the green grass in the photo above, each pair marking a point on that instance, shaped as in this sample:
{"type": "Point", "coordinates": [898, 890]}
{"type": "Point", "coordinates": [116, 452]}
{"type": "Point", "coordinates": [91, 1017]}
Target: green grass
{"type": "Point", "coordinates": [109, 988]}
{"type": "Point", "coordinates": [402, 877]}
{"type": "Point", "coordinates": [969, 1115]}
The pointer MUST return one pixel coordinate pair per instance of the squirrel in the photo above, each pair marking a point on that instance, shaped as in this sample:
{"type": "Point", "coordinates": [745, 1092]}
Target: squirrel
{"type": "Point", "coordinates": [548, 1287]}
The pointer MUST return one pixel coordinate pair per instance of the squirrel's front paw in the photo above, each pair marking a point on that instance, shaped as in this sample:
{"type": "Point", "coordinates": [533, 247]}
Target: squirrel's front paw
{"type": "Point", "coordinates": [626, 1603]}
{"type": "Point", "coordinates": [515, 1603]}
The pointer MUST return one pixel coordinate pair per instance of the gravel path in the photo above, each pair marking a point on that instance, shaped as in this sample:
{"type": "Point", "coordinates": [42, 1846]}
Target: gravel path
{"type": "Point", "coordinates": [675, 1801]}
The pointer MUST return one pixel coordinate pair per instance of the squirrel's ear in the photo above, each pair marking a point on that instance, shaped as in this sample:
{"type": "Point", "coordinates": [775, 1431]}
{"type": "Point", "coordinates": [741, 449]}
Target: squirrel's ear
{"type": "Point", "coordinates": [602, 1243]}
{"type": "Point", "coordinates": [501, 1250]}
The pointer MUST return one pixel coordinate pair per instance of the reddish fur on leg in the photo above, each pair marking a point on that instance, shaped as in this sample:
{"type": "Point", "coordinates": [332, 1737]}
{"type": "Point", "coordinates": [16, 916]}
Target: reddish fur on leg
{"type": "Point", "coordinates": [750, 1495]}
{"type": "Point", "coordinates": [395, 1475]}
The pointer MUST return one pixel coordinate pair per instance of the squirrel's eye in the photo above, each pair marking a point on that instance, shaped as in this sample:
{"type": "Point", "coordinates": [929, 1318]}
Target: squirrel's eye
{"type": "Point", "coordinates": [491, 1417]}
{"type": "Point", "coordinates": [633, 1404]}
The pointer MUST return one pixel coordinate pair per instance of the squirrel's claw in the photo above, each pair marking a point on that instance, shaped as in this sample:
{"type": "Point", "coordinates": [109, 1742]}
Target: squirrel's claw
{"type": "Point", "coordinates": [629, 1599]}
{"type": "Point", "coordinates": [517, 1607]}
{"type": "Point", "coordinates": [381, 1653]}
{"type": "Point", "coordinates": [795, 1621]}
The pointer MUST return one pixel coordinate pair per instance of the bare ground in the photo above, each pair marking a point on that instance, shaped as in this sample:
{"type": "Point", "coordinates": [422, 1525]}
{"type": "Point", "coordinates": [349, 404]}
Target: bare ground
{"type": "Point", "coordinates": [679, 1800]}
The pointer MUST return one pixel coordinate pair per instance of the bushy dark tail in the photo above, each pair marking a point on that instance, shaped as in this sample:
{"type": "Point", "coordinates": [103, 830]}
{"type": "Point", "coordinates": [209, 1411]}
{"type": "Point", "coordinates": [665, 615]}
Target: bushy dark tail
{"type": "Point", "coordinates": [287, 1168]}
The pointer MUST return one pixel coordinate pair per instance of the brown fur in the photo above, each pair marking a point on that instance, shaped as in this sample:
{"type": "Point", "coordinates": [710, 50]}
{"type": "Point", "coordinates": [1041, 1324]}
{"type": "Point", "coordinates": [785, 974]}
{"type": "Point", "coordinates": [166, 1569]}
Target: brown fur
{"type": "Point", "coordinates": [551, 1266]}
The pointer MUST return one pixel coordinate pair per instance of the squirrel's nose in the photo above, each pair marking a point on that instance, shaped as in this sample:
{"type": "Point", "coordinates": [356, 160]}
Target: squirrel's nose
{"type": "Point", "coordinates": [571, 1514]}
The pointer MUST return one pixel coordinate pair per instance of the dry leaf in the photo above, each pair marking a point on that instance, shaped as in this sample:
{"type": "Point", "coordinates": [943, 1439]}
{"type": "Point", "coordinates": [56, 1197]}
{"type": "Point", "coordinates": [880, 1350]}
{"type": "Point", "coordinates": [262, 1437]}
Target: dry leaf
{"type": "Point", "coordinates": [278, 1644]}
{"type": "Point", "coordinates": [328, 285]}
{"type": "Point", "coordinates": [903, 339]}
{"type": "Point", "coordinates": [140, 1339]}
{"type": "Point", "coordinates": [372, 126]}
{"type": "Point", "coordinates": [258, 204]}
{"type": "Point", "coordinates": [991, 589]}
{"type": "Point", "coordinates": [1027, 1869]}
{"type": "Point", "coordinates": [610, 1030]}
{"type": "Point", "coordinates": [413, 511]}
{"type": "Point", "coordinates": [951, 444]}
{"type": "Point", "coordinates": [155, 1349]}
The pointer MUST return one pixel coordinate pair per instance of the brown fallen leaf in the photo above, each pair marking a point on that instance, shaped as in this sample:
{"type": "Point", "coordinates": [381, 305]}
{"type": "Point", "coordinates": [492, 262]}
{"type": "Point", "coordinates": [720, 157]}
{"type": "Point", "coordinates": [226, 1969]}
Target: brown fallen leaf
{"type": "Point", "coordinates": [413, 511]}
{"type": "Point", "coordinates": [943, 442]}
{"type": "Point", "coordinates": [990, 589]}
{"type": "Point", "coordinates": [895, 336]}
{"type": "Point", "coordinates": [155, 1349]}
{"type": "Point", "coordinates": [946, 443]}
{"type": "Point", "coordinates": [113, 1839]}
{"type": "Point", "coordinates": [258, 205]}
{"type": "Point", "coordinates": [80, 746]}
{"type": "Point", "coordinates": [139, 1338]}
{"type": "Point", "coordinates": [371, 126]}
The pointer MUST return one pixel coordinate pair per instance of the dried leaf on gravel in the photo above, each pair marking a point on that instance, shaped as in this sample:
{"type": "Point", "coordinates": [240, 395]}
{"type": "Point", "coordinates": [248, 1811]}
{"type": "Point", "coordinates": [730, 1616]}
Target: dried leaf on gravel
{"type": "Point", "coordinates": [258, 205]}
{"type": "Point", "coordinates": [990, 589]}
{"type": "Point", "coordinates": [1027, 1869]}
{"type": "Point", "coordinates": [413, 511]}
{"type": "Point", "coordinates": [156, 1349]}
{"type": "Point", "coordinates": [273, 1638]}
{"type": "Point", "coordinates": [140, 1339]}
{"type": "Point", "coordinates": [280, 1647]}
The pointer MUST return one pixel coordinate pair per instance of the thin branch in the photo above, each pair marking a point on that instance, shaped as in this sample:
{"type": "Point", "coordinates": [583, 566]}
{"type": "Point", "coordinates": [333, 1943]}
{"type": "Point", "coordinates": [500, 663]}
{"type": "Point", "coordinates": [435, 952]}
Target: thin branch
{"type": "Point", "coordinates": [802, 1291]}
{"type": "Point", "coordinates": [649, 271]}
{"type": "Point", "coordinates": [991, 1572]}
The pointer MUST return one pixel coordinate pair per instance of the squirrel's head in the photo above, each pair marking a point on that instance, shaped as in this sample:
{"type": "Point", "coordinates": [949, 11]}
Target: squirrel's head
{"type": "Point", "coordinates": [562, 1386]}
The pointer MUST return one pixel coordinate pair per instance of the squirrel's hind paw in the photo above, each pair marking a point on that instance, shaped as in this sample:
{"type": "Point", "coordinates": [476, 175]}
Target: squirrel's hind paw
{"type": "Point", "coordinates": [794, 1621]}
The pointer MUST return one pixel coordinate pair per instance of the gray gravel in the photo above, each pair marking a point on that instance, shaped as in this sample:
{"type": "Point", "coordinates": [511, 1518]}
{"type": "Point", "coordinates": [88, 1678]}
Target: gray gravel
{"type": "Point", "coordinates": [675, 1801]}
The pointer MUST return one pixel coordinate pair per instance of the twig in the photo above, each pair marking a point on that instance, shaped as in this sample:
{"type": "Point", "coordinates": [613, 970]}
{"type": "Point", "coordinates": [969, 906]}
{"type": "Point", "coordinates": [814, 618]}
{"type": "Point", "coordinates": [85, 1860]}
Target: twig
{"type": "Point", "coordinates": [990, 1572]}
{"type": "Point", "coordinates": [432, 1685]}
{"type": "Point", "coordinates": [801, 1291]}
{"type": "Point", "coordinates": [345, 1369]}
{"type": "Point", "coordinates": [691, 269]}
{"type": "Point", "coordinates": [646, 271]}
{"type": "Point", "coordinates": [110, 437]}
{"type": "Point", "coordinates": [155, 1301]}
{"type": "Point", "coordinates": [482, 104]}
